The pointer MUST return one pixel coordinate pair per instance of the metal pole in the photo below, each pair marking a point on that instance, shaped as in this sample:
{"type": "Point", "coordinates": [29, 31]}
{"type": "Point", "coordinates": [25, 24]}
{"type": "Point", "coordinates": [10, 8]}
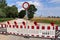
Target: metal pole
{"type": "Point", "coordinates": [26, 14]}
{"type": "Point", "coordinates": [27, 21]}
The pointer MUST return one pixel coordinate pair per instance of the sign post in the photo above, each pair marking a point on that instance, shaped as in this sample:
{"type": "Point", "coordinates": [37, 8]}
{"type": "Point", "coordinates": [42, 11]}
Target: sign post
{"type": "Point", "coordinates": [26, 6]}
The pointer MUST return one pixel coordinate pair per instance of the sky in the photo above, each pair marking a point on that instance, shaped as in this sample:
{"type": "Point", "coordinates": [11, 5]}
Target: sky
{"type": "Point", "coordinates": [44, 7]}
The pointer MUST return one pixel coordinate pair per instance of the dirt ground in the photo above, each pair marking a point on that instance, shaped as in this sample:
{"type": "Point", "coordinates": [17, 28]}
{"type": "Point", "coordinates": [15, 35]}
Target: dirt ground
{"type": "Point", "coordinates": [12, 37]}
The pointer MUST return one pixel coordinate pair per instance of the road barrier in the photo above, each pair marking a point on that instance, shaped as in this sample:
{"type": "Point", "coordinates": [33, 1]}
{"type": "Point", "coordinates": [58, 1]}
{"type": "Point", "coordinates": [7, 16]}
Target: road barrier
{"type": "Point", "coordinates": [3, 28]}
{"type": "Point", "coordinates": [35, 30]}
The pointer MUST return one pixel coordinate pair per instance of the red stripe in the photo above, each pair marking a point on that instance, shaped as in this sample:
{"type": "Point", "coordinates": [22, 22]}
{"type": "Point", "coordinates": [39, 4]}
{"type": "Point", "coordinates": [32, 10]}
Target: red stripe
{"type": "Point", "coordinates": [13, 26]}
{"type": "Point", "coordinates": [37, 35]}
{"type": "Point", "coordinates": [24, 26]}
{"type": "Point", "coordinates": [8, 22]}
{"type": "Point", "coordinates": [52, 23]}
{"type": "Point", "coordinates": [16, 26]}
{"type": "Point", "coordinates": [42, 36]}
{"type": "Point", "coordinates": [23, 23]}
{"type": "Point", "coordinates": [56, 27]}
{"type": "Point", "coordinates": [14, 33]}
{"type": "Point", "coordinates": [43, 27]}
{"type": "Point", "coordinates": [48, 28]}
{"type": "Point", "coordinates": [56, 36]}
{"type": "Point", "coordinates": [37, 27]}
{"type": "Point", "coordinates": [48, 36]}
{"type": "Point", "coordinates": [21, 34]}
{"type": "Point", "coordinates": [32, 27]}
{"type": "Point", "coordinates": [32, 35]}
{"type": "Point", "coordinates": [5, 25]}
{"type": "Point", "coordinates": [2, 25]}
{"type": "Point", "coordinates": [21, 26]}
{"type": "Point", "coordinates": [53, 27]}
{"type": "Point", "coordinates": [15, 22]}
{"type": "Point", "coordinates": [28, 27]}
{"type": "Point", "coordinates": [35, 23]}
{"type": "Point", "coordinates": [10, 26]}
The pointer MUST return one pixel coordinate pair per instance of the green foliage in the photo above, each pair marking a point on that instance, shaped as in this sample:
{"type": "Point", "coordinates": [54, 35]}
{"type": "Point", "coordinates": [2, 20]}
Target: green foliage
{"type": "Point", "coordinates": [32, 8]}
{"type": "Point", "coordinates": [5, 19]}
{"type": "Point", "coordinates": [2, 14]}
{"type": "Point", "coordinates": [12, 12]}
{"type": "Point", "coordinates": [30, 15]}
{"type": "Point", "coordinates": [3, 4]}
{"type": "Point", "coordinates": [31, 11]}
{"type": "Point", "coordinates": [6, 11]}
{"type": "Point", "coordinates": [22, 13]}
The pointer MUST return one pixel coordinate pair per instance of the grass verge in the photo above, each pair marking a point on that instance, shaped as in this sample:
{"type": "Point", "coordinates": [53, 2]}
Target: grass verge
{"type": "Point", "coordinates": [5, 19]}
{"type": "Point", "coordinates": [47, 20]}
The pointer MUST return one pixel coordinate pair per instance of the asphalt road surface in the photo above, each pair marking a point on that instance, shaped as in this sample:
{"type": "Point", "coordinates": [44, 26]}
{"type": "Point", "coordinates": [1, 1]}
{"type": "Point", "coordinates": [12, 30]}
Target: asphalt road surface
{"type": "Point", "coordinates": [12, 37]}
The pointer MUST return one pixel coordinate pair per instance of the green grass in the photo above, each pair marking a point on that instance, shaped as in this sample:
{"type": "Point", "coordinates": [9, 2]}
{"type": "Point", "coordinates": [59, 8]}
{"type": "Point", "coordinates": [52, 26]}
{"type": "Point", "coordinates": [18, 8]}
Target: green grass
{"type": "Point", "coordinates": [5, 19]}
{"type": "Point", "coordinates": [47, 21]}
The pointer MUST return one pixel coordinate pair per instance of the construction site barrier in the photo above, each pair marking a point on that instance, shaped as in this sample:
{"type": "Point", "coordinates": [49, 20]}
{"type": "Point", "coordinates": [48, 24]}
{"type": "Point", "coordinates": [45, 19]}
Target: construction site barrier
{"type": "Point", "coordinates": [44, 31]}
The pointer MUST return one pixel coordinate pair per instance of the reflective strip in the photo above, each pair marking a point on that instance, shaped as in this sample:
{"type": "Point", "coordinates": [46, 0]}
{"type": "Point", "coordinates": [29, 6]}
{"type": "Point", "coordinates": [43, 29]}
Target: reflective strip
{"type": "Point", "coordinates": [32, 35]}
{"type": "Point", "coordinates": [16, 26]}
{"type": "Point", "coordinates": [37, 27]}
{"type": "Point", "coordinates": [48, 28]}
{"type": "Point", "coordinates": [52, 24]}
{"type": "Point", "coordinates": [21, 26]}
{"type": "Point", "coordinates": [48, 36]}
{"type": "Point", "coordinates": [23, 23]}
{"type": "Point", "coordinates": [13, 26]}
{"type": "Point", "coordinates": [15, 22]}
{"type": "Point", "coordinates": [32, 27]}
{"type": "Point", "coordinates": [56, 27]}
{"type": "Point", "coordinates": [43, 27]}
{"type": "Point", "coordinates": [10, 26]}
{"type": "Point", "coordinates": [35, 23]}
{"type": "Point", "coordinates": [37, 35]}
{"type": "Point", "coordinates": [28, 27]}
{"type": "Point", "coordinates": [8, 22]}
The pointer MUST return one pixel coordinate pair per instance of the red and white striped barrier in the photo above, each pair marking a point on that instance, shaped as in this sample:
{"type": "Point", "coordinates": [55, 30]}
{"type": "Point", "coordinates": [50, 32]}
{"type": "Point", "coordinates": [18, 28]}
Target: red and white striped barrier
{"type": "Point", "coordinates": [44, 31]}
{"type": "Point", "coordinates": [2, 27]}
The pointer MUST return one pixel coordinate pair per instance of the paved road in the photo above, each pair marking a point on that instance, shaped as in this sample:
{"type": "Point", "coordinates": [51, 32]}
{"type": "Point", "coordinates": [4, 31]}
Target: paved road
{"type": "Point", "coordinates": [12, 37]}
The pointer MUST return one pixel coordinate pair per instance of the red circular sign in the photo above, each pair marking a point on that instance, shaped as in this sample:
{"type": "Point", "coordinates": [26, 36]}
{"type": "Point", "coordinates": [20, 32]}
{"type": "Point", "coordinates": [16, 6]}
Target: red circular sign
{"type": "Point", "coordinates": [25, 5]}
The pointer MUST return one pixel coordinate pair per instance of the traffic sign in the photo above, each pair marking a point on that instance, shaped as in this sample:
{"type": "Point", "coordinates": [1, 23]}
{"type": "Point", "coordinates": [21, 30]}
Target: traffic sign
{"type": "Point", "coordinates": [25, 5]}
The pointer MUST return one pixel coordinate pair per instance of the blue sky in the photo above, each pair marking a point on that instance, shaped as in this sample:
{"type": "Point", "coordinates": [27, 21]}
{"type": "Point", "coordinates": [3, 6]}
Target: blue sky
{"type": "Point", "coordinates": [44, 7]}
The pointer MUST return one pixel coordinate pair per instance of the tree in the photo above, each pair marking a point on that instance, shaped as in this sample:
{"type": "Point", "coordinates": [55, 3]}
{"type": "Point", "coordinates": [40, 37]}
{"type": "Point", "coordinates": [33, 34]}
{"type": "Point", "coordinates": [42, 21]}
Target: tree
{"type": "Point", "coordinates": [2, 14]}
{"type": "Point", "coordinates": [3, 4]}
{"type": "Point", "coordinates": [12, 12]}
{"type": "Point", "coordinates": [2, 8]}
{"type": "Point", "coordinates": [22, 13]}
{"type": "Point", "coordinates": [31, 11]}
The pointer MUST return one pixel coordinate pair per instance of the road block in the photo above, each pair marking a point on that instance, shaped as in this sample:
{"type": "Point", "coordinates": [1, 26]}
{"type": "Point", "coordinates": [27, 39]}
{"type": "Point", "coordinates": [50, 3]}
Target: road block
{"type": "Point", "coordinates": [36, 30]}
{"type": "Point", "coordinates": [3, 28]}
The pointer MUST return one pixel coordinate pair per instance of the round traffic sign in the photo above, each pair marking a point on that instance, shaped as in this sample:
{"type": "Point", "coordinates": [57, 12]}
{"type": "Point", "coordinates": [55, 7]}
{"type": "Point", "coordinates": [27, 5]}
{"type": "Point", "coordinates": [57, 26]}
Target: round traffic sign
{"type": "Point", "coordinates": [25, 5]}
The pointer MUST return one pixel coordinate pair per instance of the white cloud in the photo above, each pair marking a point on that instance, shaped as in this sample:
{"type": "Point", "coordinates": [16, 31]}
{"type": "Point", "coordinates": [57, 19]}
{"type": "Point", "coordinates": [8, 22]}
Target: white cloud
{"type": "Point", "coordinates": [19, 9]}
{"type": "Point", "coordinates": [11, 4]}
{"type": "Point", "coordinates": [36, 3]}
{"type": "Point", "coordinates": [19, 3]}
